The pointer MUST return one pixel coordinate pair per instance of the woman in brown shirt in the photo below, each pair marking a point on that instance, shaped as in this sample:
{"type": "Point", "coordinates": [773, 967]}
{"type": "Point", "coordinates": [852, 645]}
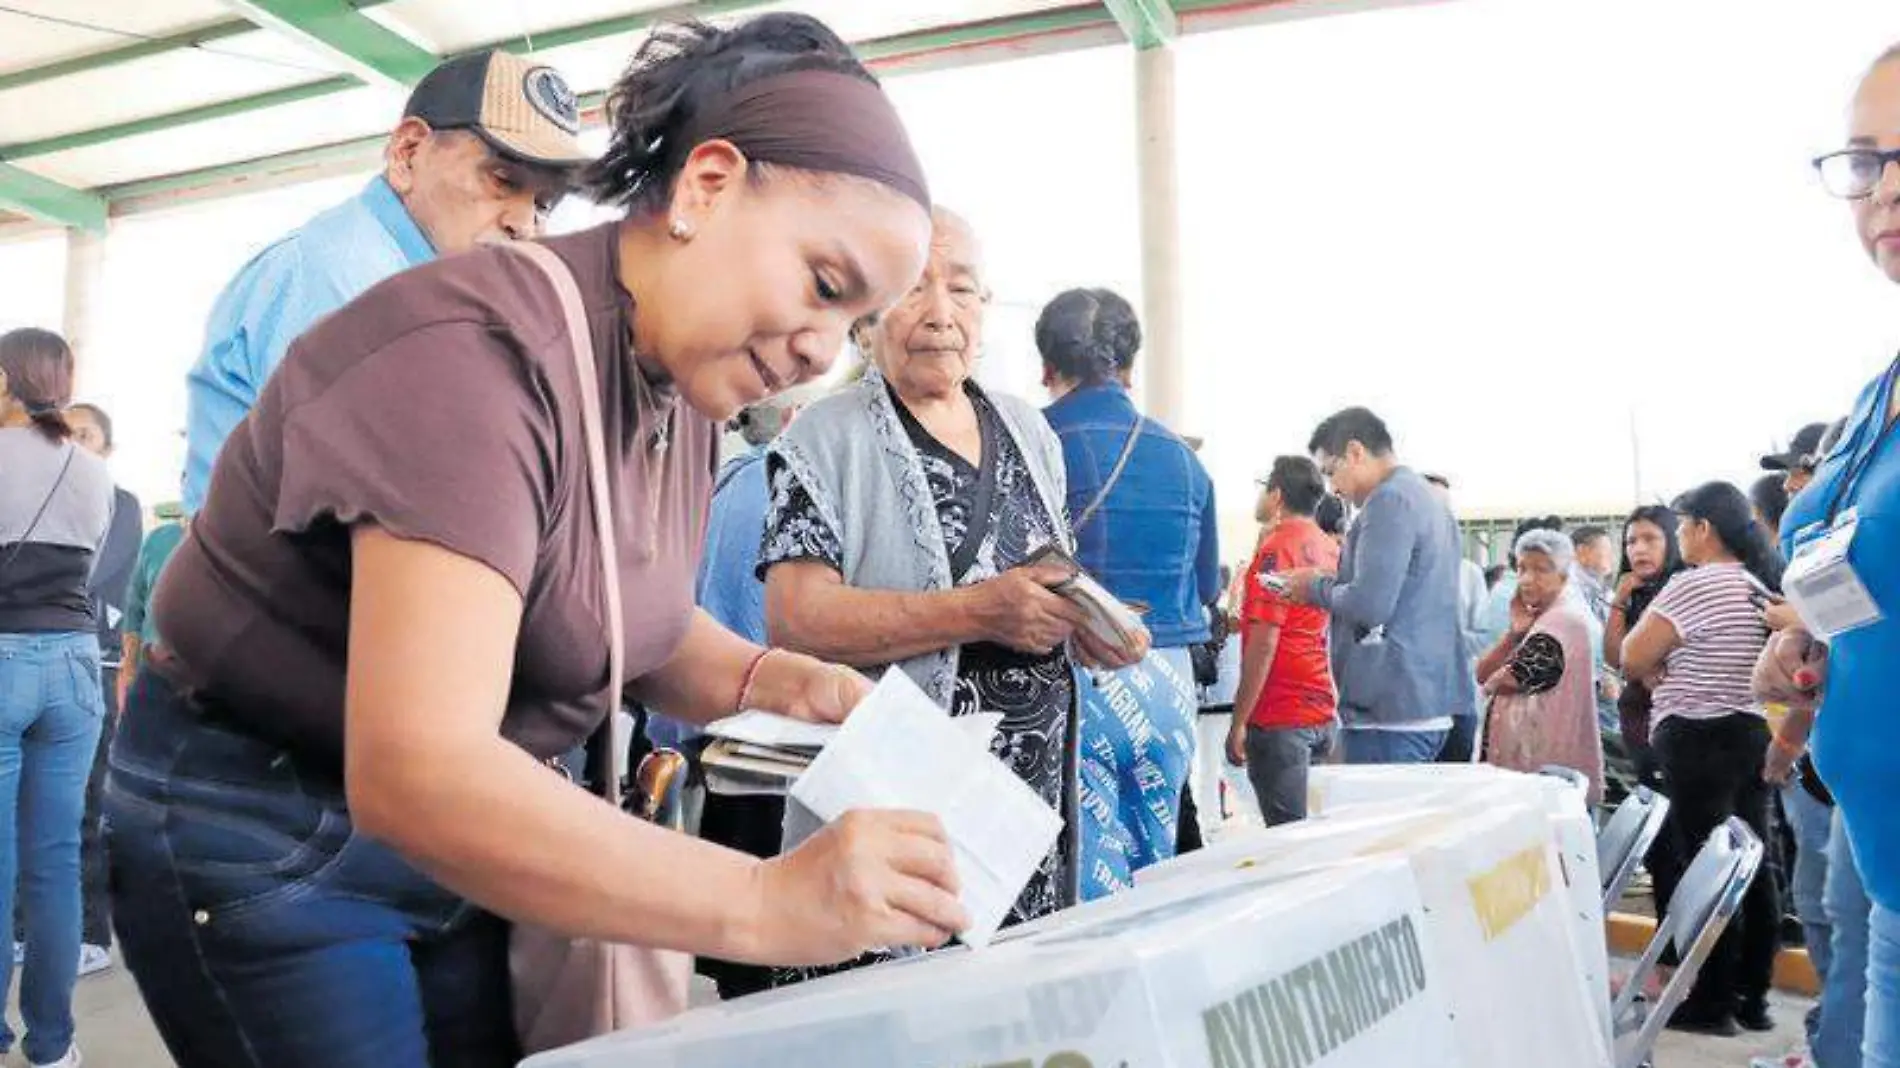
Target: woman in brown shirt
{"type": "Point", "coordinates": [389, 615]}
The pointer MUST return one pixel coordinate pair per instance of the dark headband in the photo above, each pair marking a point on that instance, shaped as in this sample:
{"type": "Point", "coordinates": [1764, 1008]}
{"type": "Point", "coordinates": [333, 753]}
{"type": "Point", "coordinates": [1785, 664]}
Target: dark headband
{"type": "Point", "coordinates": [817, 120]}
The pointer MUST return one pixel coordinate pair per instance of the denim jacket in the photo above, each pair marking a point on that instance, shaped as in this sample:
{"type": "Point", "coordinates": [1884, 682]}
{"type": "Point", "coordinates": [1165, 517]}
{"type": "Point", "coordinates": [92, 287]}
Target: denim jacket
{"type": "Point", "coordinates": [1155, 539]}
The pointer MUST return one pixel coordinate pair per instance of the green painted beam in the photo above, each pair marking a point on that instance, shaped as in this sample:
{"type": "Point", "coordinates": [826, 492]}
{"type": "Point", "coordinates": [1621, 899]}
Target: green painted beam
{"type": "Point", "coordinates": [978, 34]}
{"type": "Point", "coordinates": [155, 123]}
{"type": "Point", "coordinates": [592, 31]}
{"type": "Point", "coordinates": [55, 203]}
{"type": "Point", "coordinates": [338, 29]}
{"type": "Point", "coordinates": [216, 31]}
{"type": "Point", "coordinates": [150, 46]}
{"type": "Point", "coordinates": [1148, 23]}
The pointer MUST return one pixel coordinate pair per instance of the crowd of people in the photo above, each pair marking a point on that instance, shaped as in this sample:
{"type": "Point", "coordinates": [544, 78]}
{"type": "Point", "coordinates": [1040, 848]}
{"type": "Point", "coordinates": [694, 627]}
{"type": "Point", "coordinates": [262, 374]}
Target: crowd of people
{"type": "Point", "coordinates": [365, 675]}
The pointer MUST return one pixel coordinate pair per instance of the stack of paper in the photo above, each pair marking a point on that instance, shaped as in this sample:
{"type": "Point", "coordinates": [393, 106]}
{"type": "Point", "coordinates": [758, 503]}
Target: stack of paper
{"type": "Point", "coordinates": [1107, 618]}
{"type": "Point", "coordinates": [899, 750]}
{"type": "Point", "coordinates": [761, 752]}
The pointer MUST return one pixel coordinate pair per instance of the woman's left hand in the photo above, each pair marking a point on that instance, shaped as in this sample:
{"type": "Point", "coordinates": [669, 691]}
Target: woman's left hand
{"type": "Point", "coordinates": [1780, 616]}
{"type": "Point", "coordinates": [808, 689]}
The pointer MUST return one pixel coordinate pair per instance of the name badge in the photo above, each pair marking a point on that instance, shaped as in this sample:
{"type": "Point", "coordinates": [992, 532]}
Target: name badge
{"type": "Point", "coordinates": [1823, 587]}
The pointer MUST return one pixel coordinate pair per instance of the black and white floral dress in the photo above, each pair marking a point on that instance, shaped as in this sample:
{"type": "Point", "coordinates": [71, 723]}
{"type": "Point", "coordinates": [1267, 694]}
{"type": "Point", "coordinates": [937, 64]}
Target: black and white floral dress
{"type": "Point", "coordinates": [1034, 693]}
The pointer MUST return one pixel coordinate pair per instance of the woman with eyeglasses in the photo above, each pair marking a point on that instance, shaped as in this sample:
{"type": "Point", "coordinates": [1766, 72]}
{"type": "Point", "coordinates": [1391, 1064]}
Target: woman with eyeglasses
{"type": "Point", "coordinates": [1855, 496]}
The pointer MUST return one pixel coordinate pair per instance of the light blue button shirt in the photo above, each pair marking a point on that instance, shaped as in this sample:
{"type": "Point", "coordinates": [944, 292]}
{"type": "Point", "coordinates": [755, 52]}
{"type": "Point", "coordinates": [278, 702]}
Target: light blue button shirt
{"type": "Point", "coordinates": [303, 276]}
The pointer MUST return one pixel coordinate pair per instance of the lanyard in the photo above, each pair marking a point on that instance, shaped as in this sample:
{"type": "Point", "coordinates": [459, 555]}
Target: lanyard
{"type": "Point", "coordinates": [1858, 468]}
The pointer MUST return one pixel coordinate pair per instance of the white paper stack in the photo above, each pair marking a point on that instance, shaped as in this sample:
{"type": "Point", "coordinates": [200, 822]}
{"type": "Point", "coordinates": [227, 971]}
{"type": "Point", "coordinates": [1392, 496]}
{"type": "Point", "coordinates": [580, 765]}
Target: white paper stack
{"type": "Point", "coordinates": [761, 752]}
{"type": "Point", "coordinates": [899, 750]}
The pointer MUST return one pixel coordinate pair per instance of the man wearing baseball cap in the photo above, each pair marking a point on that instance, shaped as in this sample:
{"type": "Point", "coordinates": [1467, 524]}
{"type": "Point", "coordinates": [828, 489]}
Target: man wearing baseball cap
{"type": "Point", "coordinates": [1796, 463]}
{"type": "Point", "coordinates": [485, 149]}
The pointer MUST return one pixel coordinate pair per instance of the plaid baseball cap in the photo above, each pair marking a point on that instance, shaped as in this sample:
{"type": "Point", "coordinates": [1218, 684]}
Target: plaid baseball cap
{"type": "Point", "coordinates": [1800, 452]}
{"type": "Point", "coordinates": [524, 110]}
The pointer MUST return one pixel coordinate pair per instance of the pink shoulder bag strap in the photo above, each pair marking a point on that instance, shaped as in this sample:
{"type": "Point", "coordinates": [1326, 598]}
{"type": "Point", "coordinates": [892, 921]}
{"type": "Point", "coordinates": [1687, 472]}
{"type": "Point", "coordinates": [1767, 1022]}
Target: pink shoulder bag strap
{"type": "Point", "coordinates": [566, 989]}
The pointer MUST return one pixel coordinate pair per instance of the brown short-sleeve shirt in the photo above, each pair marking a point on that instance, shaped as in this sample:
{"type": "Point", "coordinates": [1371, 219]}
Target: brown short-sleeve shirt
{"type": "Point", "coordinates": [442, 406]}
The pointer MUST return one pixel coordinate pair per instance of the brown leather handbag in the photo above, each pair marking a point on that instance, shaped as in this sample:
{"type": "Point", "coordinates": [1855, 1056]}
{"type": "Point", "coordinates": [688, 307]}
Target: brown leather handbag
{"type": "Point", "coordinates": [568, 989]}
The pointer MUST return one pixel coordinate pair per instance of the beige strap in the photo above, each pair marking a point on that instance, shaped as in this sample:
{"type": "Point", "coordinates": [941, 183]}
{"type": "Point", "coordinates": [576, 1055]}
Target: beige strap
{"type": "Point", "coordinates": [581, 341]}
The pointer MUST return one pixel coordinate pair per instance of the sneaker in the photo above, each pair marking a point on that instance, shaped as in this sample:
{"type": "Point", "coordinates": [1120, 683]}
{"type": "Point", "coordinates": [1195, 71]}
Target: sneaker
{"type": "Point", "coordinates": [72, 1059]}
{"type": "Point", "coordinates": [1798, 1057]}
{"type": "Point", "coordinates": [94, 959]}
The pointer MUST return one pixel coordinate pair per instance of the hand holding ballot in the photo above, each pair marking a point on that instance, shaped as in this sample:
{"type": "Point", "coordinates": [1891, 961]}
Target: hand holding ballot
{"type": "Point", "coordinates": [868, 879]}
{"type": "Point", "coordinates": [1107, 633]}
{"type": "Point", "coordinates": [1297, 586]}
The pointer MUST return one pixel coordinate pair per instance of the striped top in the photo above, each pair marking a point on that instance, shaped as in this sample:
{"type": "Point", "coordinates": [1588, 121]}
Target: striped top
{"type": "Point", "coordinates": [1716, 610]}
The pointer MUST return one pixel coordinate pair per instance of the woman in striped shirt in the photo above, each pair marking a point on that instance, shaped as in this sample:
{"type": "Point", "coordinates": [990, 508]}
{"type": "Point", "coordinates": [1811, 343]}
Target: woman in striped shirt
{"type": "Point", "coordinates": [1696, 648]}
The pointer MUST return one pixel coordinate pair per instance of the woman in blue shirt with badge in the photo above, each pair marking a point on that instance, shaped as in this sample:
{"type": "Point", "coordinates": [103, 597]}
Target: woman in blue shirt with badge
{"type": "Point", "coordinates": [1853, 505]}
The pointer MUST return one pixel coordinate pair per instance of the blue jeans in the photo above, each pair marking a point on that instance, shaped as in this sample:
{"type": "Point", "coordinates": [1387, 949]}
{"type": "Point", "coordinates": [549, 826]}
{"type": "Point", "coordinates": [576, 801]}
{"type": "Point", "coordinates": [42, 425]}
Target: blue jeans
{"type": "Point", "coordinates": [51, 708]}
{"type": "Point", "coordinates": [1844, 1011]}
{"type": "Point", "coordinates": [1883, 991]}
{"type": "Point", "coordinates": [1810, 820]}
{"type": "Point", "coordinates": [1391, 747]}
{"type": "Point", "coordinates": [264, 930]}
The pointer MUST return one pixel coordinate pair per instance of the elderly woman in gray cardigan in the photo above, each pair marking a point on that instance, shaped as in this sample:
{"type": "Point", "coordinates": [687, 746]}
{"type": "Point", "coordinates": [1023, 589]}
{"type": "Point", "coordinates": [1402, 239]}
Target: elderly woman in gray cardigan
{"type": "Point", "coordinates": [903, 512]}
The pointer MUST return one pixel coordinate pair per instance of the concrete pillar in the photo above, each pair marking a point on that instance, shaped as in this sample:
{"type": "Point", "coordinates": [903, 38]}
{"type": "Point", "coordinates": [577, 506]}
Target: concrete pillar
{"type": "Point", "coordinates": [1164, 370]}
{"type": "Point", "coordinates": [85, 273]}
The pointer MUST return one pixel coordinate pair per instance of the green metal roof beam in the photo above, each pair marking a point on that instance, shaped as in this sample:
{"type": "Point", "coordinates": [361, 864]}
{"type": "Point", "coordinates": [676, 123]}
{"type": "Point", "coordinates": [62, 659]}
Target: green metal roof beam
{"type": "Point", "coordinates": [45, 199]}
{"type": "Point", "coordinates": [593, 31]}
{"type": "Point", "coordinates": [184, 39]}
{"type": "Point", "coordinates": [216, 31]}
{"type": "Point", "coordinates": [1148, 23]}
{"type": "Point", "coordinates": [338, 29]}
{"type": "Point", "coordinates": [204, 113]}
{"type": "Point", "coordinates": [891, 49]}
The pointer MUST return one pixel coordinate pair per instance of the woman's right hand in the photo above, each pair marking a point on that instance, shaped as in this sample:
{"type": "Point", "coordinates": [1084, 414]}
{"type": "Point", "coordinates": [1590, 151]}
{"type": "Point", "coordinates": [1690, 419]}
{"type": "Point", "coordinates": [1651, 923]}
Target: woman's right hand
{"type": "Point", "coordinates": [1626, 586]}
{"type": "Point", "coordinates": [869, 880]}
{"type": "Point", "coordinates": [1018, 609]}
{"type": "Point", "coordinates": [1792, 669]}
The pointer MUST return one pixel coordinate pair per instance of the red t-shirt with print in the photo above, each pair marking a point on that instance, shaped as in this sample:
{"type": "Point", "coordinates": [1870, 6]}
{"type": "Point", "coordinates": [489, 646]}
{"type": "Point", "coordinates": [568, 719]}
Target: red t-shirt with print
{"type": "Point", "coordinates": [1299, 686]}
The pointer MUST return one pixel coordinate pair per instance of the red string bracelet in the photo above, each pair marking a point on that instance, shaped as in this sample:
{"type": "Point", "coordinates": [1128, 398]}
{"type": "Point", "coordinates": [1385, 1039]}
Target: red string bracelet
{"type": "Point", "coordinates": [751, 676]}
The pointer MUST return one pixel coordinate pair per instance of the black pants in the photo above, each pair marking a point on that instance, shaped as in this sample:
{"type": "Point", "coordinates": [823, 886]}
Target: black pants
{"type": "Point", "coordinates": [1711, 770]}
{"type": "Point", "coordinates": [751, 825]}
{"type": "Point", "coordinates": [1461, 744]}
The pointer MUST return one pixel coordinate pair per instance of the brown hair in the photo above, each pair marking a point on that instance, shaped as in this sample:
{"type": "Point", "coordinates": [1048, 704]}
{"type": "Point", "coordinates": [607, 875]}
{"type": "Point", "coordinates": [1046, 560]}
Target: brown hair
{"type": "Point", "coordinates": [39, 370]}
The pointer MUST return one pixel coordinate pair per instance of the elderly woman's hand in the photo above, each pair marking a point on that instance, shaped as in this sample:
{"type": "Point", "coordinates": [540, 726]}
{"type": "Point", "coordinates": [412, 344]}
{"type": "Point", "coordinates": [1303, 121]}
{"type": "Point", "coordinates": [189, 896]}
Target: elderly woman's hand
{"type": "Point", "coordinates": [1019, 610]}
{"type": "Point", "coordinates": [1792, 670]}
{"type": "Point", "coordinates": [805, 688]}
{"type": "Point", "coordinates": [1524, 615]}
{"type": "Point", "coordinates": [1099, 655]}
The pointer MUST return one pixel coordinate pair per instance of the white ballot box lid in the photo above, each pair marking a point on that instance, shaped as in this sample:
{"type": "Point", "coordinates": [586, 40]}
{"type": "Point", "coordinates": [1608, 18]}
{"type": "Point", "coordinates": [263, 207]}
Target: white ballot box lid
{"type": "Point", "coordinates": [1234, 971]}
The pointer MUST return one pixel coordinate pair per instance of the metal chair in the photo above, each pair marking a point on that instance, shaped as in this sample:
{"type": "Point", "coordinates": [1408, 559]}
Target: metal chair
{"type": "Point", "coordinates": [1706, 900]}
{"type": "Point", "coordinates": [1625, 840]}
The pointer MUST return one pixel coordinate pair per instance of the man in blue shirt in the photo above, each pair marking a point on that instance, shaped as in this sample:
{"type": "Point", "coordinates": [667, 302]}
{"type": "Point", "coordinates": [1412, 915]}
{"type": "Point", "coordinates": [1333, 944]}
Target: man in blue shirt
{"type": "Point", "coordinates": [485, 149]}
{"type": "Point", "coordinates": [1398, 651]}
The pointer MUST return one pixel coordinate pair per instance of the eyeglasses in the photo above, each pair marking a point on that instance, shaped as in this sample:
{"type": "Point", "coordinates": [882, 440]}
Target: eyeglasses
{"type": "Point", "coordinates": [1854, 173]}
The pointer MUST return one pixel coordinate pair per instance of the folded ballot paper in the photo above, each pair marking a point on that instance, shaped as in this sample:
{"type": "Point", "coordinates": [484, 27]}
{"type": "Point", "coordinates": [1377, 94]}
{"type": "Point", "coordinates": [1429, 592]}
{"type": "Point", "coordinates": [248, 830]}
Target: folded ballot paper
{"type": "Point", "coordinates": [900, 750]}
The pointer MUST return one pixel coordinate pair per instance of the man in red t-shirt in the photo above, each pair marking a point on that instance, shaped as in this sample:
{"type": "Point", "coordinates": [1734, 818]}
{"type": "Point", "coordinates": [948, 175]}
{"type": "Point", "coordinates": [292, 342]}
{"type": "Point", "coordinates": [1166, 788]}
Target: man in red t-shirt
{"type": "Point", "coordinates": [1285, 714]}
